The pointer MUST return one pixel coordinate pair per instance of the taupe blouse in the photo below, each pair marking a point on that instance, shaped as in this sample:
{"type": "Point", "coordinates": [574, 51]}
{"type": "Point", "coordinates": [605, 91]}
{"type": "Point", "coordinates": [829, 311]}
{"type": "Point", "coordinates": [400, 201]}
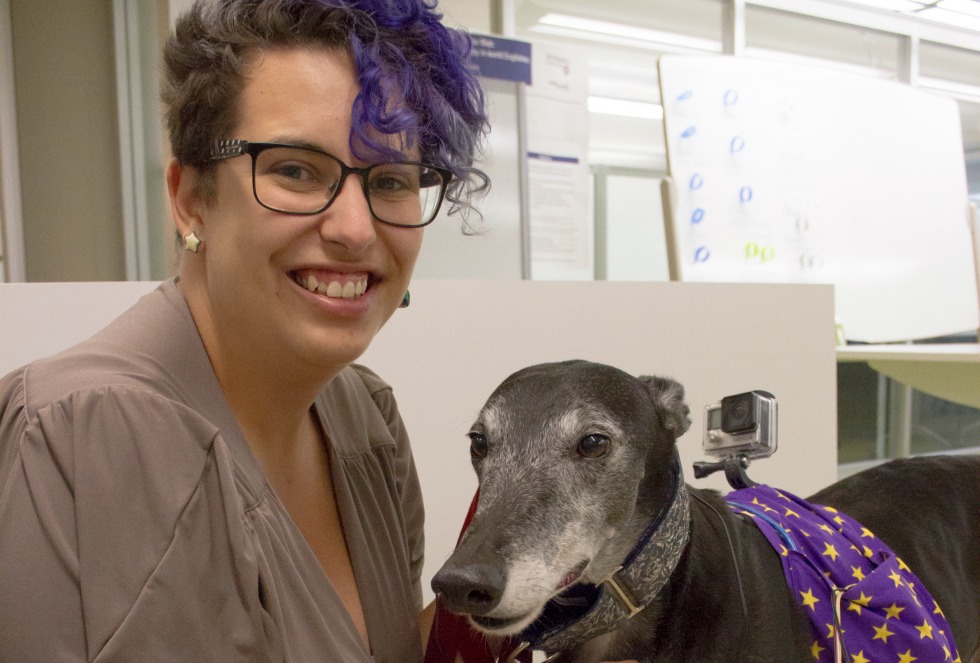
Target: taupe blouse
{"type": "Point", "coordinates": [136, 525]}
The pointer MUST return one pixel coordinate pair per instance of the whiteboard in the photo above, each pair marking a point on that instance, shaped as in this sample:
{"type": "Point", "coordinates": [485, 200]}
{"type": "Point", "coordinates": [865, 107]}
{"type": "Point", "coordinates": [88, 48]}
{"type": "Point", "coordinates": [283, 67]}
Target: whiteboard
{"type": "Point", "coordinates": [783, 173]}
{"type": "Point", "coordinates": [445, 353]}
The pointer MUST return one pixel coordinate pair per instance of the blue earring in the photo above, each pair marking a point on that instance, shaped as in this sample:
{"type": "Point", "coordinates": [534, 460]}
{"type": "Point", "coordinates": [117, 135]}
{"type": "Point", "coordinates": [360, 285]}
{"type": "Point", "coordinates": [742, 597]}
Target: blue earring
{"type": "Point", "coordinates": [406, 300]}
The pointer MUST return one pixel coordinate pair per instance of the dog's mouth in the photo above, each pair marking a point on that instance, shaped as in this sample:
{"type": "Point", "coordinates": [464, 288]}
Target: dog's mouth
{"type": "Point", "coordinates": [510, 625]}
{"type": "Point", "coordinates": [572, 576]}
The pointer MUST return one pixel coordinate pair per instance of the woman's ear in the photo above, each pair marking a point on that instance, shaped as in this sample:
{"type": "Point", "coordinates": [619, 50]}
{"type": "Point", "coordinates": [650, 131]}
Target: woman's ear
{"type": "Point", "coordinates": [186, 204]}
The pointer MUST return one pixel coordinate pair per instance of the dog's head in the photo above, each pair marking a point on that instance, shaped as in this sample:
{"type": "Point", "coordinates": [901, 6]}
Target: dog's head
{"type": "Point", "coordinates": [573, 459]}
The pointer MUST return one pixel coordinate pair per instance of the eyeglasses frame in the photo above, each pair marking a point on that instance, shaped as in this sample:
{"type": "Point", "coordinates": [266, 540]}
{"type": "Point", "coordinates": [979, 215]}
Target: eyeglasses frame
{"type": "Point", "coordinates": [226, 149]}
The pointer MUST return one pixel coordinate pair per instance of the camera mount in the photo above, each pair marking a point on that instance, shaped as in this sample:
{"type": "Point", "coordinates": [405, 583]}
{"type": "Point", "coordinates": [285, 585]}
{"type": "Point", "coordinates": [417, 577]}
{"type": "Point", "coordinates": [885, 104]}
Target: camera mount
{"type": "Point", "coordinates": [734, 466]}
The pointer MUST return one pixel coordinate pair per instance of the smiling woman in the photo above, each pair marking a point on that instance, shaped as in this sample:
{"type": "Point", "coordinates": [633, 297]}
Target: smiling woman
{"type": "Point", "coordinates": [233, 471]}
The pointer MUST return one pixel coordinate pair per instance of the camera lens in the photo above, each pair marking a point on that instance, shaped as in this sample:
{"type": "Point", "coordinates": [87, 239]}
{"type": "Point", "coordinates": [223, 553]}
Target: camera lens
{"type": "Point", "coordinates": [739, 414]}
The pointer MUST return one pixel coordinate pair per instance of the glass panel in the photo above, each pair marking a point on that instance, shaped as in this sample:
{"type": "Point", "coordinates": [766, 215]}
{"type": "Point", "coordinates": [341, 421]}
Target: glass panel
{"type": "Point", "coordinates": [949, 64]}
{"type": "Point", "coordinates": [939, 426]}
{"type": "Point", "coordinates": [635, 243]}
{"type": "Point", "coordinates": [857, 413]}
{"type": "Point", "coordinates": [770, 32]}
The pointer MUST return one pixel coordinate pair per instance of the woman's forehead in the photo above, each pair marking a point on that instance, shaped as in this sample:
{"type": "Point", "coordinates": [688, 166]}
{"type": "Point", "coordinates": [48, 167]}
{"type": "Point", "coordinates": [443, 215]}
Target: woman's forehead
{"type": "Point", "coordinates": [306, 95]}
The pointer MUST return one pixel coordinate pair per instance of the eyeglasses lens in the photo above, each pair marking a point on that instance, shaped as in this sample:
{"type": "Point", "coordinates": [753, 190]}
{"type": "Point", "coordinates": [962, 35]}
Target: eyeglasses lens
{"type": "Point", "coordinates": [301, 181]}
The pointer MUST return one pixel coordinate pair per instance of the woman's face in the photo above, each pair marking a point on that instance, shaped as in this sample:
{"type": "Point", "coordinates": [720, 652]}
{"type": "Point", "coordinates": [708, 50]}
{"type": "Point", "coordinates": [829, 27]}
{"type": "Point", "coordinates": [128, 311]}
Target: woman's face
{"type": "Point", "coordinates": [257, 266]}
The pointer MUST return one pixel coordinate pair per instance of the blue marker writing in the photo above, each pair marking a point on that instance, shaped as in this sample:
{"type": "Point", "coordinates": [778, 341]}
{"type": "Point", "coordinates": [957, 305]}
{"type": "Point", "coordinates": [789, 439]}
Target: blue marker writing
{"type": "Point", "coordinates": [737, 144]}
{"type": "Point", "coordinates": [685, 95]}
{"type": "Point", "coordinates": [745, 194]}
{"type": "Point", "coordinates": [730, 98]}
{"type": "Point", "coordinates": [697, 216]}
{"type": "Point", "coordinates": [690, 131]}
{"type": "Point", "coordinates": [696, 181]}
{"type": "Point", "coordinates": [701, 254]}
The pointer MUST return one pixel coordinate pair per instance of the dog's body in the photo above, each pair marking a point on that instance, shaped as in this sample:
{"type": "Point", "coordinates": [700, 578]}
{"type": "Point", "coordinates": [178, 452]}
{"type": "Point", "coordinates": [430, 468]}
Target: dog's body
{"type": "Point", "coordinates": [576, 459]}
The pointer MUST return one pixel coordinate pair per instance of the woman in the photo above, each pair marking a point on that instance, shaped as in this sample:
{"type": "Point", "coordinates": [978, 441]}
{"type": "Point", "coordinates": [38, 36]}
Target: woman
{"type": "Point", "coordinates": [210, 478]}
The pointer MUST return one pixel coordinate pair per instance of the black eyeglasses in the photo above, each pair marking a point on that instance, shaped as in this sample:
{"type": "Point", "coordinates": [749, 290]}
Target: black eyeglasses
{"type": "Point", "coordinates": [303, 180]}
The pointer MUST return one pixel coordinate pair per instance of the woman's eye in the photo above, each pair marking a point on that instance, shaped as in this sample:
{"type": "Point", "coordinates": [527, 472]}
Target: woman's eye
{"type": "Point", "coordinates": [478, 445]}
{"type": "Point", "coordinates": [296, 172]}
{"type": "Point", "coordinates": [395, 180]}
{"type": "Point", "coordinates": [593, 446]}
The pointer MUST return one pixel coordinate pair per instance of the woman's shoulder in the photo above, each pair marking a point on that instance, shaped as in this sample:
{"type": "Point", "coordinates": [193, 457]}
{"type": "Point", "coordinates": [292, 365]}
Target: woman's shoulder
{"type": "Point", "coordinates": [358, 374]}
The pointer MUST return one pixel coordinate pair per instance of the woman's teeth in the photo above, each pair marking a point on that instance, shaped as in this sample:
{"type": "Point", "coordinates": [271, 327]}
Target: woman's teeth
{"type": "Point", "coordinates": [335, 289]}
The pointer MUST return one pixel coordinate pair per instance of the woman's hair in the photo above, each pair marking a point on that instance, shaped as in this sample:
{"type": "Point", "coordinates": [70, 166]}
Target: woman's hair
{"type": "Point", "coordinates": [414, 76]}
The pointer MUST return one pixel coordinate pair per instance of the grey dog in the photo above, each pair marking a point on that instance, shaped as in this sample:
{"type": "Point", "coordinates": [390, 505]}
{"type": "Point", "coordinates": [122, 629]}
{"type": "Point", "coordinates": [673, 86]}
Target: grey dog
{"type": "Point", "coordinates": [575, 460]}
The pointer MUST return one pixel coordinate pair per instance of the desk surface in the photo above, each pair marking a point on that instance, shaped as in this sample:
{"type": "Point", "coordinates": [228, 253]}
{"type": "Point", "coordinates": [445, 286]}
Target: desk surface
{"type": "Point", "coordinates": [930, 352]}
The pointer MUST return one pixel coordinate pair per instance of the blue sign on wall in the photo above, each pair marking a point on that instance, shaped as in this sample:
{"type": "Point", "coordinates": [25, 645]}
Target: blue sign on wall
{"type": "Point", "coordinates": [506, 59]}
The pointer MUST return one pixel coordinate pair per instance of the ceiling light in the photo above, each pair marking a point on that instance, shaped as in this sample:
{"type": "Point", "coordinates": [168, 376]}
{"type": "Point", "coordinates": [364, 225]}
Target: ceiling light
{"type": "Point", "coordinates": [891, 5]}
{"type": "Point", "coordinates": [953, 18]}
{"type": "Point", "coordinates": [969, 7]}
{"type": "Point", "coordinates": [626, 108]}
{"type": "Point", "coordinates": [586, 28]}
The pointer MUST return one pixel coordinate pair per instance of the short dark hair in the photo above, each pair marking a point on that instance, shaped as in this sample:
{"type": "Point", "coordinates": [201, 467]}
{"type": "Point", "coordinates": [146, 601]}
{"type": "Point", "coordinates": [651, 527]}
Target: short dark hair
{"type": "Point", "coordinates": [400, 49]}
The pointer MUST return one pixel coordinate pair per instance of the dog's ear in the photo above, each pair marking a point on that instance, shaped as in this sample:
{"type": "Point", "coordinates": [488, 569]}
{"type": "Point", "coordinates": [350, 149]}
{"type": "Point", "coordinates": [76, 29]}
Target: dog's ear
{"type": "Point", "coordinates": [668, 398]}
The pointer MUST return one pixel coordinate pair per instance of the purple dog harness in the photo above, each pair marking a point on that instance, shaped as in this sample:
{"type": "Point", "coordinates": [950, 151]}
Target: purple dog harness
{"type": "Point", "coordinates": [860, 597]}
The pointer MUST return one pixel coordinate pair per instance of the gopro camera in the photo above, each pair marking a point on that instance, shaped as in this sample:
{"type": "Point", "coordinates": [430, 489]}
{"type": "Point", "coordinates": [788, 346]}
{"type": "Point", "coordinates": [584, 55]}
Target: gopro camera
{"type": "Point", "coordinates": [741, 425]}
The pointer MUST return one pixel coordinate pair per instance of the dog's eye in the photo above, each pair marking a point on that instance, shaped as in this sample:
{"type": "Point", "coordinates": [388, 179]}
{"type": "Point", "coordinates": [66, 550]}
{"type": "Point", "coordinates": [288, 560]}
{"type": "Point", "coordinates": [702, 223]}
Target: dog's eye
{"type": "Point", "coordinates": [478, 445]}
{"type": "Point", "coordinates": [593, 446]}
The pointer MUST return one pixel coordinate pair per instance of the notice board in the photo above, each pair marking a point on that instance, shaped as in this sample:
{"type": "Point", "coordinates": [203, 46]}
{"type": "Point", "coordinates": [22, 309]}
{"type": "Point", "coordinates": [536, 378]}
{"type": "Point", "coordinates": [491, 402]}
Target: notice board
{"type": "Point", "coordinates": [790, 174]}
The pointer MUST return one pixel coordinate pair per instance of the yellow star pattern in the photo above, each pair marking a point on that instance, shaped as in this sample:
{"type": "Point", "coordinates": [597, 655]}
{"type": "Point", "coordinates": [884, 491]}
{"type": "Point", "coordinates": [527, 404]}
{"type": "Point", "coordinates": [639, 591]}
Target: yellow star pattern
{"type": "Point", "coordinates": [830, 551]}
{"type": "Point", "coordinates": [897, 579]}
{"type": "Point", "coordinates": [830, 508]}
{"type": "Point", "coordinates": [893, 611]}
{"type": "Point", "coordinates": [866, 533]}
{"type": "Point", "coordinates": [859, 658]}
{"type": "Point", "coordinates": [809, 599]}
{"type": "Point", "coordinates": [790, 512]}
{"type": "Point", "coordinates": [858, 603]}
{"type": "Point", "coordinates": [902, 565]}
{"type": "Point", "coordinates": [838, 520]}
{"type": "Point", "coordinates": [925, 631]}
{"type": "Point", "coordinates": [906, 657]}
{"type": "Point", "coordinates": [857, 573]}
{"type": "Point", "coordinates": [816, 649]}
{"type": "Point", "coordinates": [827, 528]}
{"type": "Point", "coordinates": [938, 611]}
{"type": "Point", "coordinates": [882, 633]}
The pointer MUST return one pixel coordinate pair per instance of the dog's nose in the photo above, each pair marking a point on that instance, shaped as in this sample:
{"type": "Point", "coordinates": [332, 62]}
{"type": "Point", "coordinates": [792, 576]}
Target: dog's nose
{"type": "Point", "coordinates": [474, 589]}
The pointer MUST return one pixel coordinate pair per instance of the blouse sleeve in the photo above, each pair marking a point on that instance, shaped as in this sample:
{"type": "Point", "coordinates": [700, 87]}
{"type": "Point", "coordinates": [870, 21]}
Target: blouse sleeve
{"type": "Point", "coordinates": [99, 495]}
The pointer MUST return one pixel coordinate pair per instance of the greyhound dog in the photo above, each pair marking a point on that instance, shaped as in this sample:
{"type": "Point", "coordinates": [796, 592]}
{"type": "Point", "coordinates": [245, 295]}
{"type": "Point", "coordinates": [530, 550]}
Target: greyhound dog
{"type": "Point", "coordinates": [577, 464]}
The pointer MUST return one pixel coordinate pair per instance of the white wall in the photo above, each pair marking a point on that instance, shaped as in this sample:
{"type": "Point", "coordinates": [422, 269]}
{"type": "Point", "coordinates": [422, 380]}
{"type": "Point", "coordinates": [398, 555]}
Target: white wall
{"type": "Point", "coordinates": [459, 339]}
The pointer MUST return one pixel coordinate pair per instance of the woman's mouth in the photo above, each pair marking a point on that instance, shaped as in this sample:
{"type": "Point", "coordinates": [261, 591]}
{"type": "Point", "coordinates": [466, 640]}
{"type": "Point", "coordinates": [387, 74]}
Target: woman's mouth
{"type": "Point", "coordinates": [338, 286]}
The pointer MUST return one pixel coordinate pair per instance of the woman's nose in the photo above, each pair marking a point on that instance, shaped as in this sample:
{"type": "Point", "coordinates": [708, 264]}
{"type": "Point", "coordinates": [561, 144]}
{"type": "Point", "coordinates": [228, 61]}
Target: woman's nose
{"type": "Point", "coordinates": [348, 220]}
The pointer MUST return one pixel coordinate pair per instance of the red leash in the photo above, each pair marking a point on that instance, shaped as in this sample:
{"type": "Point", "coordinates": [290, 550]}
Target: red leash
{"type": "Point", "coordinates": [452, 635]}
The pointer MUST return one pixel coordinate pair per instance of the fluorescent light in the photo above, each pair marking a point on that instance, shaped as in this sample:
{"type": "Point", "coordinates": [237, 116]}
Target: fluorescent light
{"type": "Point", "coordinates": [587, 28]}
{"type": "Point", "coordinates": [969, 7]}
{"type": "Point", "coordinates": [891, 5]}
{"type": "Point", "coordinates": [956, 19]}
{"type": "Point", "coordinates": [626, 108]}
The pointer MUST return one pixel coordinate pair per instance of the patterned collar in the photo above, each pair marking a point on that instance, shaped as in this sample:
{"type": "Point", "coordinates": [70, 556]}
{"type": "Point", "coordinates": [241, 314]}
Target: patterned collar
{"type": "Point", "coordinates": [584, 612]}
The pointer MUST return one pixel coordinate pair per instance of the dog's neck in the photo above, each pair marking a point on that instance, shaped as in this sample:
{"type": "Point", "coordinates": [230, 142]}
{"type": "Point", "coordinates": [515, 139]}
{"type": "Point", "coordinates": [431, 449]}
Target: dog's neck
{"type": "Point", "coordinates": [628, 590]}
